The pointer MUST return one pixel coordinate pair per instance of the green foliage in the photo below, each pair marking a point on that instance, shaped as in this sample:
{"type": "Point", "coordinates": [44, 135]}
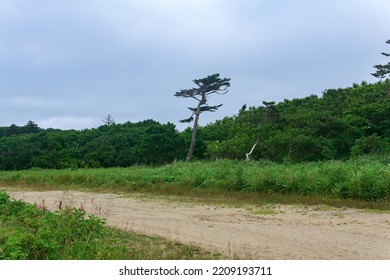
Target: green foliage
{"type": "Point", "coordinates": [29, 127]}
{"type": "Point", "coordinates": [333, 126]}
{"type": "Point", "coordinates": [365, 179]}
{"type": "Point", "coordinates": [147, 142]}
{"type": "Point", "coordinates": [32, 232]}
{"type": "Point", "coordinates": [373, 144]}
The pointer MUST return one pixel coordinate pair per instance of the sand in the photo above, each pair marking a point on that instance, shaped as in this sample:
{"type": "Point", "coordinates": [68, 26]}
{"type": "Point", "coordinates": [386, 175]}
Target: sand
{"type": "Point", "coordinates": [273, 232]}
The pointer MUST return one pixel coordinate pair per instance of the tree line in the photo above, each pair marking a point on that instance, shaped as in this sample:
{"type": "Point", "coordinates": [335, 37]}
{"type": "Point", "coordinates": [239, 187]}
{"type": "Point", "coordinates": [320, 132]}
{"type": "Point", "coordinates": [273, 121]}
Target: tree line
{"type": "Point", "coordinates": [147, 142]}
{"type": "Point", "coordinates": [340, 124]}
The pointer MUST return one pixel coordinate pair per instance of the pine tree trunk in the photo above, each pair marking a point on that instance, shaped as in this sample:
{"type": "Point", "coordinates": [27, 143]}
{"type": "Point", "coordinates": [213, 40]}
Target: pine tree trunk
{"type": "Point", "coordinates": [195, 129]}
{"type": "Point", "coordinates": [193, 139]}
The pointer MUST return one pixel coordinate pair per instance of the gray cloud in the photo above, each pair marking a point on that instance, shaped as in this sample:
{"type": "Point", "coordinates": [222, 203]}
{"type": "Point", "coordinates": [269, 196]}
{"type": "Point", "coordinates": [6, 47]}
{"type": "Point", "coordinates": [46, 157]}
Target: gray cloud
{"type": "Point", "coordinates": [65, 63]}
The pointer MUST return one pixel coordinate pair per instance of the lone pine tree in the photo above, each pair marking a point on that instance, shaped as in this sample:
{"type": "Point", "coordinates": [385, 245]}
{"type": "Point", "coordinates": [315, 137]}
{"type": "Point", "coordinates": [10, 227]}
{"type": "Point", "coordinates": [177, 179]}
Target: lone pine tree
{"type": "Point", "coordinates": [206, 86]}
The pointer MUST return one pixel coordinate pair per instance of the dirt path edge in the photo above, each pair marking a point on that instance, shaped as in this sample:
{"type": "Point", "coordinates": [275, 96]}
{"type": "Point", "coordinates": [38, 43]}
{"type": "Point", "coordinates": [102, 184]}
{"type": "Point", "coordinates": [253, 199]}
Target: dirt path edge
{"type": "Point", "coordinates": [279, 232]}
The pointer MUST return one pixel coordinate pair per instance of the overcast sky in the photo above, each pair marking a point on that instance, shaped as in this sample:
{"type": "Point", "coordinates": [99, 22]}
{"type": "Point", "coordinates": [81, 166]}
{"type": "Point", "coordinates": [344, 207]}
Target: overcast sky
{"type": "Point", "coordinates": [69, 63]}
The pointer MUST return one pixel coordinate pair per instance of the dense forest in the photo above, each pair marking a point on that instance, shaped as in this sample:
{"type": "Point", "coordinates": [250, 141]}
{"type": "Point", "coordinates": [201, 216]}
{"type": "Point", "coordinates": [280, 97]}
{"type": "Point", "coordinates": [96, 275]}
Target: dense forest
{"type": "Point", "coordinates": [340, 124]}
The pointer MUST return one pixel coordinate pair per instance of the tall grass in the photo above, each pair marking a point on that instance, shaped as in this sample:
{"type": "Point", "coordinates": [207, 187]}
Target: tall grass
{"type": "Point", "coordinates": [366, 180]}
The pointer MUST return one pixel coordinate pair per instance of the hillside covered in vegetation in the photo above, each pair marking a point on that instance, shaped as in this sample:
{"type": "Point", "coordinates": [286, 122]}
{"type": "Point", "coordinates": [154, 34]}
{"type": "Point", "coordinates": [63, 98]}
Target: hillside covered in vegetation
{"type": "Point", "coordinates": [340, 124]}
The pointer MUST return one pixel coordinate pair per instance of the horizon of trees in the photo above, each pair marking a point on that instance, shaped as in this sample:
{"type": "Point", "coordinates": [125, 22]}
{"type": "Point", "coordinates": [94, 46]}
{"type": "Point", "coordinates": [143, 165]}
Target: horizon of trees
{"type": "Point", "coordinates": [340, 124]}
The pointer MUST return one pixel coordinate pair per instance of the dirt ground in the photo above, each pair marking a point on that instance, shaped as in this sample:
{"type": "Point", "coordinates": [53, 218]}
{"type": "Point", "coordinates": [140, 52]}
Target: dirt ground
{"type": "Point", "coordinates": [272, 232]}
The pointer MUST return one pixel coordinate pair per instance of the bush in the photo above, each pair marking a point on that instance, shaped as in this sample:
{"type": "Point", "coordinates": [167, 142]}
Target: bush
{"type": "Point", "coordinates": [32, 232]}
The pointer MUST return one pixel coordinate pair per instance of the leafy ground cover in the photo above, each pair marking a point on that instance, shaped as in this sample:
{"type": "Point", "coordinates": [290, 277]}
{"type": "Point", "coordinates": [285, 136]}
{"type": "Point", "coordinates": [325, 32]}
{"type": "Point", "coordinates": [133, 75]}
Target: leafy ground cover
{"type": "Point", "coordinates": [362, 180]}
{"type": "Point", "coordinates": [32, 232]}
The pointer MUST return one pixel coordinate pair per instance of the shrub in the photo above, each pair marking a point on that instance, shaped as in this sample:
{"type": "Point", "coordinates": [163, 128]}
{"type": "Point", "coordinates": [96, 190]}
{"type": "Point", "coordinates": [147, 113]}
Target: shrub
{"type": "Point", "coordinates": [32, 232]}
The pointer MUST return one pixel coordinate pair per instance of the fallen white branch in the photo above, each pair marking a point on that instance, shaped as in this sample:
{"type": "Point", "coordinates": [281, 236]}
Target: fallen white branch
{"type": "Point", "coordinates": [253, 147]}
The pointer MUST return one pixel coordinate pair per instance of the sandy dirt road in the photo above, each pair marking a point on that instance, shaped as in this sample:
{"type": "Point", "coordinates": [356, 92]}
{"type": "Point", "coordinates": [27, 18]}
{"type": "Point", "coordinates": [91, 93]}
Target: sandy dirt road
{"type": "Point", "coordinates": [275, 232]}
